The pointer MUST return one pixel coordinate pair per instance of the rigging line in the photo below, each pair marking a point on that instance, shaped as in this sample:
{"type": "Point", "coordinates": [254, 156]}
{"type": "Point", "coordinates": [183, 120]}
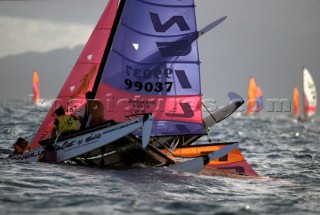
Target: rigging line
{"type": "Point", "coordinates": [162, 144]}
{"type": "Point", "coordinates": [209, 111]}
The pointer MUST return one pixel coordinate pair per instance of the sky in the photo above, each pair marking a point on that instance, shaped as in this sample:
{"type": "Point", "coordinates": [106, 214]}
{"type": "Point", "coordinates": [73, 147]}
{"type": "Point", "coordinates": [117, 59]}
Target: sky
{"type": "Point", "coordinates": [270, 40]}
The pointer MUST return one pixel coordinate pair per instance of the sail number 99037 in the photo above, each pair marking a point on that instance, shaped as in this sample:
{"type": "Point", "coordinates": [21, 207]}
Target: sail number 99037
{"type": "Point", "coordinates": [148, 86]}
{"type": "Point", "coordinates": [148, 73]}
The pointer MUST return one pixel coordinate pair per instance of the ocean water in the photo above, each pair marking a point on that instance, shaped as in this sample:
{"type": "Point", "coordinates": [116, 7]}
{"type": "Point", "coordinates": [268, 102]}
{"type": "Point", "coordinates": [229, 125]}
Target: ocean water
{"type": "Point", "coordinates": [284, 152]}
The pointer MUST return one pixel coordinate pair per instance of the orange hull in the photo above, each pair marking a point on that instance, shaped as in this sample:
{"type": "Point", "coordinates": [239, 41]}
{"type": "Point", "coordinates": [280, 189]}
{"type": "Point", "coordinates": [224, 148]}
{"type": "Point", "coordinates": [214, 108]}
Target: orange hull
{"type": "Point", "coordinates": [232, 165]}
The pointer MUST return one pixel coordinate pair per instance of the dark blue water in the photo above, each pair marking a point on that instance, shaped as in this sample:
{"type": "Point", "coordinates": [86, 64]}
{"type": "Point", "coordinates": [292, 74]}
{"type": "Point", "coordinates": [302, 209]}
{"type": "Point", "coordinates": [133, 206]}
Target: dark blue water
{"type": "Point", "coordinates": [277, 147]}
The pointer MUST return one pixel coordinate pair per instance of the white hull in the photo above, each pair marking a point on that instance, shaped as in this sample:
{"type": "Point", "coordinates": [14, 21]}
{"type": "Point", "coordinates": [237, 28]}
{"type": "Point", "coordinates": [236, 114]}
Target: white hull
{"type": "Point", "coordinates": [85, 142]}
{"type": "Point", "coordinates": [100, 147]}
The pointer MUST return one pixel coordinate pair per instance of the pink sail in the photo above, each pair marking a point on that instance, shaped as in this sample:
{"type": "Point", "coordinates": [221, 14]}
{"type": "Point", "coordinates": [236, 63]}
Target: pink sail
{"type": "Point", "coordinates": [82, 77]}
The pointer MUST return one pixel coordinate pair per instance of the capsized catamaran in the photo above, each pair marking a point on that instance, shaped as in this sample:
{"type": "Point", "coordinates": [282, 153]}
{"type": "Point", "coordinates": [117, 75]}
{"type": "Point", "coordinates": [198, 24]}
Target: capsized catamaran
{"type": "Point", "coordinates": [142, 63]}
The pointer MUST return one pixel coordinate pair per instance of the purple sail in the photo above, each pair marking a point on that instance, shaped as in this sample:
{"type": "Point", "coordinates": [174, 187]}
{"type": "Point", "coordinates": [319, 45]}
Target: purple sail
{"type": "Point", "coordinates": [154, 61]}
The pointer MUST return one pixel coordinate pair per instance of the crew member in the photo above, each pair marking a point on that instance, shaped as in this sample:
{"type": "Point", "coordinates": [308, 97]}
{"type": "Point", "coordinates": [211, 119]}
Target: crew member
{"type": "Point", "coordinates": [64, 123]}
{"type": "Point", "coordinates": [94, 112]}
{"type": "Point", "coordinates": [21, 146]}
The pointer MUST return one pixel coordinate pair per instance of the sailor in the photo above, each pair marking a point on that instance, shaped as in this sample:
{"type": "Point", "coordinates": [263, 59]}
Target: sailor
{"type": "Point", "coordinates": [64, 123]}
{"type": "Point", "coordinates": [48, 155]}
{"type": "Point", "coordinates": [20, 146]}
{"type": "Point", "coordinates": [94, 111]}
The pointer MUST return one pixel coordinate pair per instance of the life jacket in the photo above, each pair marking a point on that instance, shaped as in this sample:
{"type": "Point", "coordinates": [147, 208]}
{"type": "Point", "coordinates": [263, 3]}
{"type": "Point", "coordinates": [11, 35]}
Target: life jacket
{"type": "Point", "coordinates": [66, 123]}
{"type": "Point", "coordinates": [19, 149]}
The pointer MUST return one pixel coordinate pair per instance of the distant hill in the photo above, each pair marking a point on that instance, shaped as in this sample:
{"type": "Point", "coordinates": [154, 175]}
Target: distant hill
{"type": "Point", "coordinates": [53, 67]}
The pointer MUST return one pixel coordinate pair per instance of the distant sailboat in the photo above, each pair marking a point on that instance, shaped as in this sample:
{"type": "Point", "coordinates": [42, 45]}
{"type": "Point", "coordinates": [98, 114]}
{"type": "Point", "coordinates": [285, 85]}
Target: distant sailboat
{"type": "Point", "coordinates": [252, 92]}
{"type": "Point", "coordinates": [309, 98]}
{"type": "Point", "coordinates": [255, 99]}
{"type": "Point", "coordinates": [310, 95]}
{"type": "Point", "coordinates": [39, 103]}
{"type": "Point", "coordinates": [296, 103]}
{"type": "Point", "coordinates": [36, 89]}
{"type": "Point", "coordinates": [259, 99]}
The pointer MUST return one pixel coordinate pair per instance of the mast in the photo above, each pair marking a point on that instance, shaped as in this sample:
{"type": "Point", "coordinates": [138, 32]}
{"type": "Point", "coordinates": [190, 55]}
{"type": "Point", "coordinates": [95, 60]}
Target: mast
{"type": "Point", "coordinates": [108, 46]}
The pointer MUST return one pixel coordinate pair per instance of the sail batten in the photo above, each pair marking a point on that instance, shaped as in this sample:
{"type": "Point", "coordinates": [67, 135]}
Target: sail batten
{"type": "Point", "coordinates": [156, 35]}
{"type": "Point", "coordinates": [154, 63]}
{"type": "Point", "coordinates": [168, 3]}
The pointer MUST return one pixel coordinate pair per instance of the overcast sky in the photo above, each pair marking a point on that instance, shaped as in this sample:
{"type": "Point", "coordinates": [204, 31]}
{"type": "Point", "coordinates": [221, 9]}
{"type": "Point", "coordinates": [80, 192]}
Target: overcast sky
{"type": "Point", "coordinates": [269, 39]}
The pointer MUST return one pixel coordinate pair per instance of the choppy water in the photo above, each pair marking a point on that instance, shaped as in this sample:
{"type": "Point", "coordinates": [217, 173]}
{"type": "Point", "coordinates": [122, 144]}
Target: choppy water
{"type": "Point", "coordinates": [284, 151]}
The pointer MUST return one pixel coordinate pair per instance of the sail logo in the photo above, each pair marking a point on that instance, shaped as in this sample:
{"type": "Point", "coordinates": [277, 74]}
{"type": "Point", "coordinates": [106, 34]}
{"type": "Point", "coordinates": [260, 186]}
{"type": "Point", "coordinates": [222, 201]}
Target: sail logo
{"type": "Point", "coordinates": [27, 156]}
{"type": "Point", "coordinates": [176, 48]}
{"type": "Point", "coordinates": [84, 83]}
{"type": "Point", "coordinates": [89, 57]}
{"type": "Point", "coordinates": [179, 20]}
{"type": "Point", "coordinates": [154, 79]}
{"type": "Point", "coordinates": [135, 46]}
{"type": "Point", "coordinates": [187, 111]}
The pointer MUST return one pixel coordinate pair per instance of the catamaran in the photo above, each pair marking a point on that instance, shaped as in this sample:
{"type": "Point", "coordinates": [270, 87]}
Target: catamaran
{"type": "Point", "coordinates": [309, 98]}
{"type": "Point", "coordinates": [142, 63]}
{"type": "Point", "coordinates": [255, 97]}
{"type": "Point", "coordinates": [36, 89]}
{"type": "Point", "coordinates": [296, 103]}
{"type": "Point", "coordinates": [259, 99]}
{"type": "Point", "coordinates": [38, 103]}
